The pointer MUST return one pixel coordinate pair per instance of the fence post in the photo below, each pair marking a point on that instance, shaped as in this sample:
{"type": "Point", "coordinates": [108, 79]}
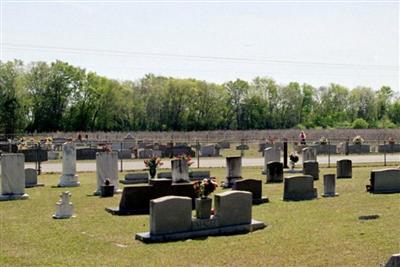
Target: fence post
{"type": "Point", "coordinates": [329, 153]}
{"type": "Point", "coordinates": [197, 153]}
{"type": "Point", "coordinates": [285, 153]}
{"type": "Point", "coordinates": [384, 152]}
{"type": "Point", "coordinates": [120, 153]}
{"type": "Point", "coordinates": [241, 150]}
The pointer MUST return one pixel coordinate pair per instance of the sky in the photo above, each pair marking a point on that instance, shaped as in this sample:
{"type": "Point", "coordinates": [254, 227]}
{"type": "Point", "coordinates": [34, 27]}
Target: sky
{"type": "Point", "coordinates": [314, 42]}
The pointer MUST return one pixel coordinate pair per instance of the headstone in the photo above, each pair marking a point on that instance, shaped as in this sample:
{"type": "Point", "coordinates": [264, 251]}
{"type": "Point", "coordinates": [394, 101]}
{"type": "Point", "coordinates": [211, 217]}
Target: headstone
{"type": "Point", "coordinates": [394, 261]}
{"type": "Point", "coordinates": [344, 168]}
{"type": "Point", "coordinates": [274, 172]}
{"type": "Point", "coordinates": [12, 177]}
{"type": "Point", "coordinates": [330, 186]}
{"type": "Point", "coordinates": [325, 149]}
{"type": "Point", "coordinates": [309, 153]}
{"type": "Point", "coordinates": [311, 167]}
{"type": "Point", "coordinates": [128, 142]}
{"type": "Point", "coordinates": [86, 153]}
{"type": "Point", "coordinates": [34, 155]}
{"type": "Point", "coordinates": [167, 175]}
{"type": "Point", "coordinates": [224, 144]}
{"type": "Point", "coordinates": [385, 181]}
{"type": "Point", "coordinates": [145, 153]}
{"type": "Point", "coordinates": [52, 155]}
{"type": "Point", "coordinates": [31, 178]}
{"type": "Point", "coordinates": [198, 175]}
{"type": "Point", "coordinates": [234, 171]}
{"type": "Point", "coordinates": [107, 167]}
{"type": "Point", "coordinates": [358, 149]}
{"type": "Point", "coordinates": [271, 154]}
{"type": "Point", "coordinates": [64, 208]}
{"type": "Point", "coordinates": [171, 218]}
{"type": "Point", "coordinates": [68, 176]}
{"type": "Point", "coordinates": [254, 187]}
{"type": "Point", "coordinates": [180, 171]}
{"type": "Point", "coordinates": [124, 154]}
{"type": "Point", "coordinates": [136, 178]}
{"type": "Point", "coordinates": [209, 151]}
{"type": "Point", "coordinates": [170, 214]}
{"type": "Point", "coordinates": [299, 188]}
{"type": "Point", "coordinates": [389, 148]}
{"type": "Point", "coordinates": [135, 199]}
{"type": "Point", "coordinates": [233, 207]}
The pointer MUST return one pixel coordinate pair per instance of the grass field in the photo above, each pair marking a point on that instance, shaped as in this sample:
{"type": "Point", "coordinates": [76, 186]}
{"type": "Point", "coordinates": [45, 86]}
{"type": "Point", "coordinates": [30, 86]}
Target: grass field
{"type": "Point", "coordinates": [322, 232]}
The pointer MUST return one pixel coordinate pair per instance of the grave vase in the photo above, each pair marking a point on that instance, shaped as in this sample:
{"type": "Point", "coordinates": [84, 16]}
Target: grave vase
{"type": "Point", "coordinates": [152, 172]}
{"type": "Point", "coordinates": [106, 190]}
{"type": "Point", "coordinates": [203, 207]}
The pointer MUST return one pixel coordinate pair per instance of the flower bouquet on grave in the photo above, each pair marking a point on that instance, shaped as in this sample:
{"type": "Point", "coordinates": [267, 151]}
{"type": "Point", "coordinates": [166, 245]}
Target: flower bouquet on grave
{"type": "Point", "coordinates": [203, 202]}
{"type": "Point", "coordinates": [323, 140]}
{"type": "Point", "coordinates": [358, 140]}
{"type": "Point", "coordinates": [391, 141]}
{"type": "Point", "coordinates": [106, 148]}
{"type": "Point", "coordinates": [186, 158]}
{"type": "Point", "coordinates": [152, 164]}
{"type": "Point", "coordinates": [294, 158]}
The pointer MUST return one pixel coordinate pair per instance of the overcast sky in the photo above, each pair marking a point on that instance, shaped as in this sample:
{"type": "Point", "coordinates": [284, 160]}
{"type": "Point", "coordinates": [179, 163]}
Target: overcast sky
{"type": "Point", "coordinates": [315, 42]}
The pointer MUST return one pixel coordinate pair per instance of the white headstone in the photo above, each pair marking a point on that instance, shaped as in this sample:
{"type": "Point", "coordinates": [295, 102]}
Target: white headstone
{"type": "Point", "coordinates": [107, 167]}
{"type": "Point", "coordinates": [64, 208]}
{"type": "Point", "coordinates": [309, 153]}
{"type": "Point", "coordinates": [271, 154]}
{"type": "Point", "coordinates": [180, 171]}
{"type": "Point", "coordinates": [329, 185]}
{"type": "Point", "coordinates": [68, 176]}
{"type": "Point", "coordinates": [13, 177]}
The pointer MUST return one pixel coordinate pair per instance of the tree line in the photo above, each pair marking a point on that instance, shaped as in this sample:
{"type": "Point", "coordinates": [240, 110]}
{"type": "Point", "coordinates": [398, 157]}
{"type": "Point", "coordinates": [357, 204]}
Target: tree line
{"type": "Point", "coordinates": [57, 96]}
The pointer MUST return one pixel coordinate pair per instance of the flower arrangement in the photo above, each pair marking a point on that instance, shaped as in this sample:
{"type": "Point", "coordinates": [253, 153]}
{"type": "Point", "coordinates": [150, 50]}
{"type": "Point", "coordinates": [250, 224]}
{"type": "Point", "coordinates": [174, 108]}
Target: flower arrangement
{"type": "Point", "coordinates": [153, 162]}
{"type": "Point", "coordinates": [106, 148]}
{"type": "Point", "coordinates": [186, 158]}
{"type": "Point", "coordinates": [323, 140]}
{"type": "Point", "coordinates": [358, 140]}
{"type": "Point", "coordinates": [294, 157]}
{"type": "Point", "coordinates": [107, 182]}
{"type": "Point", "coordinates": [205, 187]}
{"type": "Point", "coordinates": [391, 141]}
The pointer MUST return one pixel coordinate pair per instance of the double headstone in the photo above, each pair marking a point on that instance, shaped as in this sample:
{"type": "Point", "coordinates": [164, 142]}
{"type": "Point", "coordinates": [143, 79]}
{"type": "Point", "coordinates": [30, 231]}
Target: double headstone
{"type": "Point", "coordinates": [234, 171]}
{"type": "Point", "coordinates": [136, 178]}
{"type": "Point", "coordinates": [68, 176]}
{"type": "Point", "coordinates": [309, 153]}
{"type": "Point", "coordinates": [274, 172]}
{"type": "Point", "coordinates": [311, 167]}
{"type": "Point", "coordinates": [344, 168]}
{"type": "Point", "coordinates": [299, 188]}
{"type": "Point", "coordinates": [180, 171]}
{"type": "Point", "coordinates": [330, 186]}
{"type": "Point", "coordinates": [12, 177]}
{"type": "Point", "coordinates": [171, 218]}
{"type": "Point", "coordinates": [254, 187]}
{"type": "Point", "coordinates": [107, 168]}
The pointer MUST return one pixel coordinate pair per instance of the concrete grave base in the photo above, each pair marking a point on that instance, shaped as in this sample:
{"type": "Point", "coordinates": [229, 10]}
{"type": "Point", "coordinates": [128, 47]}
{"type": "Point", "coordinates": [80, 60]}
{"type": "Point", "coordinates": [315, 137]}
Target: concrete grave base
{"type": "Point", "coordinates": [226, 230]}
{"type": "Point", "coordinates": [33, 185]}
{"type": "Point", "coordinates": [13, 197]}
{"type": "Point", "coordinates": [330, 195]}
{"type": "Point", "coordinates": [97, 193]}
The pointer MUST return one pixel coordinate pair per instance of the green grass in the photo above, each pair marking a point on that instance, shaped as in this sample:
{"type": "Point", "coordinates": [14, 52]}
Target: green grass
{"type": "Point", "coordinates": [322, 232]}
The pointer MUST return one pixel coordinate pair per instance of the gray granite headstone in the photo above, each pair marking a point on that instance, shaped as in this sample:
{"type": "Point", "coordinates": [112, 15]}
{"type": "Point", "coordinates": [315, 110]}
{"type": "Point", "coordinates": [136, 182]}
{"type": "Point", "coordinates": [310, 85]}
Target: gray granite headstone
{"type": "Point", "coordinates": [385, 181]}
{"type": "Point", "coordinates": [271, 154]}
{"type": "Point", "coordinates": [234, 170]}
{"type": "Point", "coordinates": [170, 214]}
{"type": "Point", "coordinates": [311, 167]}
{"type": "Point", "coordinates": [329, 185]}
{"type": "Point", "coordinates": [253, 186]}
{"type": "Point", "coordinates": [31, 178]}
{"type": "Point", "coordinates": [309, 153]}
{"type": "Point", "coordinates": [344, 168]}
{"type": "Point", "coordinates": [274, 172]}
{"type": "Point", "coordinates": [394, 261]}
{"type": "Point", "coordinates": [299, 188]}
{"type": "Point", "coordinates": [68, 176]}
{"type": "Point", "coordinates": [233, 207]}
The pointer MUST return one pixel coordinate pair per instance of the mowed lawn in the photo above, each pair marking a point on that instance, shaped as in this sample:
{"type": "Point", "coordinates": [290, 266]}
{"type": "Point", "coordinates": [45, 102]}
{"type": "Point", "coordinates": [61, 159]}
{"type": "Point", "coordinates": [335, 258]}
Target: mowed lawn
{"type": "Point", "coordinates": [321, 232]}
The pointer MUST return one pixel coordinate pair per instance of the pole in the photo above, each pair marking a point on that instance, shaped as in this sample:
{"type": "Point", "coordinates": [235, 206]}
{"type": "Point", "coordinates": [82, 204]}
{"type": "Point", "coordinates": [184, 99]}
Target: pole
{"type": "Point", "coordinates": [329, 153]}
{"type": "Point", "coordinates": [120, 153]}
{"type": "Point", "coordinates": [197, 153]}
{"type": "Point", "coordinates": [384, 153]}
{"type": "Point", "coordinates": [285, 153]}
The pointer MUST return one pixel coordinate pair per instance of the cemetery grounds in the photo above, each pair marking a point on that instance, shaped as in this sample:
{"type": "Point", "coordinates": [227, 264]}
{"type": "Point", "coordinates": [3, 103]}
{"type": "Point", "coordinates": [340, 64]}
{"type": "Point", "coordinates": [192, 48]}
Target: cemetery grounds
{"type": "Point", "coordinates": [322, 232]}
